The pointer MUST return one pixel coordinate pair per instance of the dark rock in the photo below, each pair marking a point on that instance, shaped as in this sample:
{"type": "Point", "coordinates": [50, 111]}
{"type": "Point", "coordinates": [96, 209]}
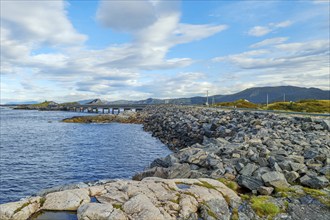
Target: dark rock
{"type": "Point", "coordinates": [310, 154]}
{"type": "Point", "coordinates": [291, 176]}
{"type": "Point", "coordinates": [315, 182]}
{"type": "Point", "coordinates": [275, 179]}
{"type": "Point", "coordinates": [249, 182]}
{"type": "Point", "coordinates": [248, 169]}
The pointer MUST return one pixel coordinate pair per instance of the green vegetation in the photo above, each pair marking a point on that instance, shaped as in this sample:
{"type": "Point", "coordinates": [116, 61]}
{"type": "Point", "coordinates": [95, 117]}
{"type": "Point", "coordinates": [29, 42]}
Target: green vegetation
{"type": "Point", "coordinates": [22, 207]}
{"type": "Point", "coordinates": [117, 206]}
{"type": "Point", "coordinates": [319, 195]}
{"type": "Point", "coordinates": [245, 196]}
{"type": "Point", "coordinates": [307, 105]}
{"type": "Point", "coordinates": [241, 103]}
{"type": "Point", "coordinates": [69, 103]}
{"type": "Point", "coordinates": [42, 201]}
{"type": "Point", "coordinates": [230, 184]}
{"type": "Point", "coordinates": [263, 207]}
{"type": "Point", "coordinates": [317, 106]}
{"type": "Point", "coordinates": [234, 215]}
{"type": "Point", "coordinates": [285, 192]}
{"type": "Point", "coordinates": [206, 185]}
{"type": "Point", "coordinates": [42, 105]}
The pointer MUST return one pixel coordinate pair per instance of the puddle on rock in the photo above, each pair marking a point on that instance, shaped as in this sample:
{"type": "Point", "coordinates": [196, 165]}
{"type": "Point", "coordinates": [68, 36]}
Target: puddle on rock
{"type": "Point", "coordinates": [54, 215]}
{"type": "Point", "coordinates": [94, 200]}
{"type": "Point", "coordinates": [183, 186]}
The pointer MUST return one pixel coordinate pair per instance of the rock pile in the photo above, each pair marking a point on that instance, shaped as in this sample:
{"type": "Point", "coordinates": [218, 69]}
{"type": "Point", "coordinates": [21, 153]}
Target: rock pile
{"type": "Point", "coordinates": [261, 151]}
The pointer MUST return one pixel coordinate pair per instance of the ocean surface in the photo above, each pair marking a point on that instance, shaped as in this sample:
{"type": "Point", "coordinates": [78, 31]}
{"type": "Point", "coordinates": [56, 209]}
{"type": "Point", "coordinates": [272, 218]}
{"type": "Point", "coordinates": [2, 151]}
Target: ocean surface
{"type": "Point", "coordinates": [37, 151]}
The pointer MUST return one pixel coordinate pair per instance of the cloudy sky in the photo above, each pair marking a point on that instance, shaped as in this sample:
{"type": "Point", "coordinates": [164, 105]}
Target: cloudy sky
{"type": "Point", "coordinates": [75, 50]}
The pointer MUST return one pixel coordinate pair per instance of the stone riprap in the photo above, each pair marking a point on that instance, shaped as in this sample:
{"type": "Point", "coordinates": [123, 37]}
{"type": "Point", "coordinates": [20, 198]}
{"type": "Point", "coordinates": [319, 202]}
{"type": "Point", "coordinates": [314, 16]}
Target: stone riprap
{"type": "Point", "coordinates": [149, 199]}
{"type": "Point", "coordinates": [256, 149]}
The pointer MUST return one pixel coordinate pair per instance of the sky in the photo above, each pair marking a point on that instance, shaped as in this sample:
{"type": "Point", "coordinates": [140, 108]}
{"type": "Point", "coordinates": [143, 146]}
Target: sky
{"type": "Point", "coordinates": [135, 49]}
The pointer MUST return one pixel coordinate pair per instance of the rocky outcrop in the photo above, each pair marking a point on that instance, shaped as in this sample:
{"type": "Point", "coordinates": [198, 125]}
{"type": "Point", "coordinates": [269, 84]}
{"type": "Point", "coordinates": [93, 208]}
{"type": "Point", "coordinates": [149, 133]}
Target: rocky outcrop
{"type": "Point", "coordinates": [124, 117]}
{"type": "Point", "coordinates": [149, 199]}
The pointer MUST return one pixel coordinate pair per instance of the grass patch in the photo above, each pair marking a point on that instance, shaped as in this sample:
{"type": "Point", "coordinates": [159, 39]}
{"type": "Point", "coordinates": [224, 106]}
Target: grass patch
{"type": "Point", "coordinates": [309, 105]}
{"type": "Point", "coordinates": [263, 208]}
{"type": "Point", "coordinates": [323, 197]}
{"type": "Point", "coordinates": [241, 103]}
{"type": "Point", "coordinates": [245, 196]}
{"type": "Point", "coordinates": [22, 207]}
{"type": "Point", "coordinates": [234, 215]}
{"type": "Point", "coordinates": [314, 192]}
{"type": "Point", "coordinates": [285, 192]}
{"type": "Point", "coordinates": [230, 184]}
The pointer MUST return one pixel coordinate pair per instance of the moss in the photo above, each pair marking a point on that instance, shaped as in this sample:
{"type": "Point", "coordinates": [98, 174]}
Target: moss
{"type": "Point", "coordinates": [286, 206]}
{"type": "Point", "coordinates": [314, 192]}
{"type": "Point", "coordinates": [226, 197]}
{"type": "Point", "coordinates": [230, 184]}
{"type": "Point", "coordinates": [190, 194]}
{"type": "Point", "coordinates": [117, 206]}
{"type": "Point", "coordinates": [245, 196]}
{"type": "Point", "coordinates": [212, 214]}
{"type": "Point", "coordinates": [42, 201]}
{"type": "Point", "coordinates": [206, 185]}
{"type": "Point", "coordinates": [263, 208]}
{"type": "Point", "coordinates": [177, 200]}
{"type": "Point", "coordinates": [323, 197]}
{"type": "Point", "coordinates": [22, 207]}
{"type": "Point", "coordinates": [234, 215]}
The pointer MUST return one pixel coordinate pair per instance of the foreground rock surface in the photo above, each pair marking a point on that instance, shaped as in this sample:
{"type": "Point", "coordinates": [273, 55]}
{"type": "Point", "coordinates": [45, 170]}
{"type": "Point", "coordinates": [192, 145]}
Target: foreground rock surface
{"type": "Point", "coordinates": [152, 199]}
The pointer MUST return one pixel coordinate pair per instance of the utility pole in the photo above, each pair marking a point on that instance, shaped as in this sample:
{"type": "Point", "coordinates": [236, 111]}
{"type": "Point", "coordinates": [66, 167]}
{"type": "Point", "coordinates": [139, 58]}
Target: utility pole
{"type": "Point", "coordinates": [284, 97]}
{"type": "Point", "coordinates": [267, 99]}
{"type": "Point", "coordinates": [207, 97]}
{"type": "Point", "coordinates": [213, 100]}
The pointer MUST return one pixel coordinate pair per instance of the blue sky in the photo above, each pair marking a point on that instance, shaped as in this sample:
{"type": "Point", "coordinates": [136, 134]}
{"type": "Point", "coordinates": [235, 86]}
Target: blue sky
{"type": "Point", "coordinates": [75, 50]}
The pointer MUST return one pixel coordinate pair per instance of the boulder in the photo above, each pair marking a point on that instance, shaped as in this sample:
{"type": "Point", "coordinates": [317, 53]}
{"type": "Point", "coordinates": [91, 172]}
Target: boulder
{"type": "Point", "coordinates": [248, 169]}
{"type": "Point", "coordinates": [315, 182]}
{"type": "Point", "coordinates": [249, 182]}
{"type": "Point", "coordinates": [275, 179]}
{"type": "Point", "coordinates": [68, 200]}
{"type": "Point", "coordinates": [98, 211]}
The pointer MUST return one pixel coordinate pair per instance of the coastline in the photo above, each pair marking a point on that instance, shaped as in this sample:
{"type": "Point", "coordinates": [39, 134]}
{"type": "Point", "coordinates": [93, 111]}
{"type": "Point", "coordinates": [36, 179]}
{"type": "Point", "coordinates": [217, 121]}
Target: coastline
{"type": "Point", "coordinates": [202, 138]}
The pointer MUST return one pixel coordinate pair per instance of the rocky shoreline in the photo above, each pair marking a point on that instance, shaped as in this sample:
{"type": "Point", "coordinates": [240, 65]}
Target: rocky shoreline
{"type": "Point", "coordinates": [274, 166]}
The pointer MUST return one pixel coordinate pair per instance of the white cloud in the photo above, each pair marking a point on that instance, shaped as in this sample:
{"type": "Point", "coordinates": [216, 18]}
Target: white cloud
{"type": "Point", "coordinates": [259, 31]}
{"type": "Point", "coordinates": [284, 64]}
{"type": "Point", "coordinates": [270, 41]}
{"type": "Point", "coordinates": [39, 22]}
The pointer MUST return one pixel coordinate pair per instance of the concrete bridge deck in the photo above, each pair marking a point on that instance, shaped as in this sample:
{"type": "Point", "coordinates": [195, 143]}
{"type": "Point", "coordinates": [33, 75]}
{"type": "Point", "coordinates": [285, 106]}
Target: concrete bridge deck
{"type": "Point", "coordinates": [111, 108]}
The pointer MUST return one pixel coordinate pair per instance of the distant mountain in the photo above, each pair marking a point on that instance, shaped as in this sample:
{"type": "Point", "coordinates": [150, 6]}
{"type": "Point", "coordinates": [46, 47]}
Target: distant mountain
{"type": "Point", "coordinates": [95, 102]}
{"type": "Point", "coordinates": [255, 95]}
{"type": "Point", "coordinates": [278, 93]}
{"type": "Point", "coordinates": [84, 102]}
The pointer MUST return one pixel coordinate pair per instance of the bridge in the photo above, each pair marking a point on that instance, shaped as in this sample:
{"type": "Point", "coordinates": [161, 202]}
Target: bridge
{"type": "Point", "coordinates": [105, 109]}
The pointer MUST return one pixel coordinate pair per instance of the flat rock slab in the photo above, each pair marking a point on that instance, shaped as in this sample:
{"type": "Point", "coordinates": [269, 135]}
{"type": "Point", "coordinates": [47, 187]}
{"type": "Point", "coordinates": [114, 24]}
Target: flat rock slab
{"type": "Point", "coordinates": [68, 200]}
